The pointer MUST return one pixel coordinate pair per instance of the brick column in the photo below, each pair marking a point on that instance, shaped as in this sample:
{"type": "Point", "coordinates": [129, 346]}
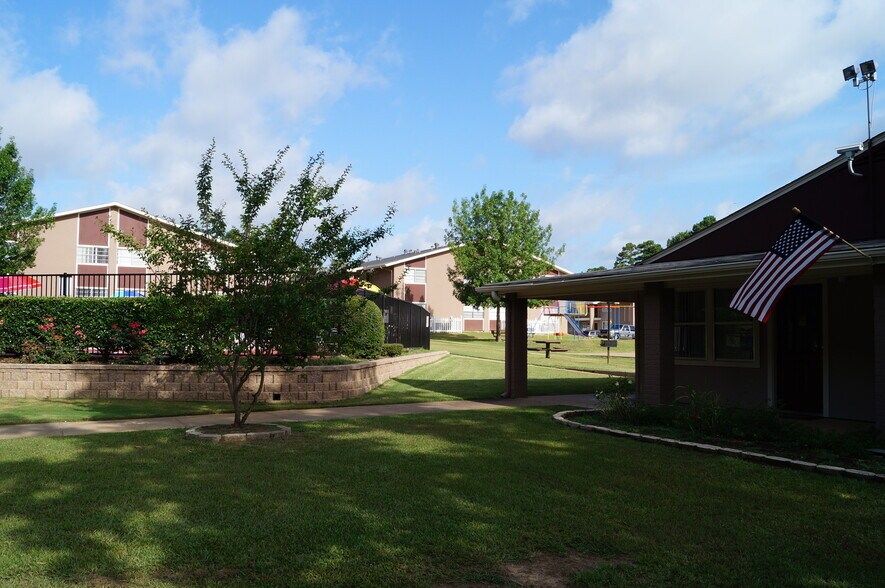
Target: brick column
{"type": "Point", "coordinates": [879, 346]}
{"type": "Point", "coordinates": [515, 348]}
{"type": "Point", "coordinates": [655, 349]}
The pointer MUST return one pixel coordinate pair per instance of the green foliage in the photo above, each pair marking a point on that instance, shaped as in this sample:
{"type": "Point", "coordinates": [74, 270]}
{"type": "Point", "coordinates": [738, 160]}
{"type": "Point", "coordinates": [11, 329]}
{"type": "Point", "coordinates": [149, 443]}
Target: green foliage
{"type": "Point", "coordinates": [703, 412]}
{"type": "Point", "coordinates": [698, 226]}
{"type": "Point", "coordinates": [361, 330]}
{"type": "Point", "coordinates": [21, 220]}
{"type": "Point", "coordinates": [617, 399]}
{"type": "Point", "coordinates": [253, 292]}
{"type": "Point", "coordinates": [598, 268]}
{"type": "Point", "coordinates": [141, 329]}
{"type": "Point", "coordinates": [632, 254]}
{"type": "Point", "coordinates": [496, 237]}
{"type": "Point", "coordinates": [54, 343]}
{"type": "Point", "coordinates": [392, 349]}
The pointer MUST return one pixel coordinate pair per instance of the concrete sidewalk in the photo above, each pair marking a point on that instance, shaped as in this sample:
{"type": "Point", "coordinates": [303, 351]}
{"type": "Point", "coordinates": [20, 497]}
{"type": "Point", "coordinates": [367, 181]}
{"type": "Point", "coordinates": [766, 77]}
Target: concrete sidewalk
{"type": "Point", "coordinates": [307, 414]}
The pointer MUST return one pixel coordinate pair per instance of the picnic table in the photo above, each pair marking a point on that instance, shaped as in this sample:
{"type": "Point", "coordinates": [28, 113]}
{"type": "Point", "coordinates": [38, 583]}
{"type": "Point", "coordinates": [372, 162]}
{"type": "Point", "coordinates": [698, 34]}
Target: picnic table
{"type": "Point", "coordinates": [547, 346]}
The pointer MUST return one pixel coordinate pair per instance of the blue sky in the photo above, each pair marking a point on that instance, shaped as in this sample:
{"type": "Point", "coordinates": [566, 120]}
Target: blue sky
{"type": "Point", "coordinates": [621, 121]}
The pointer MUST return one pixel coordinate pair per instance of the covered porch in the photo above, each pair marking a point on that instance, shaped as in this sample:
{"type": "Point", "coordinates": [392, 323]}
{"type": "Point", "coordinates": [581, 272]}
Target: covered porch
{"type": "Point", "coordinates": [822, 354]}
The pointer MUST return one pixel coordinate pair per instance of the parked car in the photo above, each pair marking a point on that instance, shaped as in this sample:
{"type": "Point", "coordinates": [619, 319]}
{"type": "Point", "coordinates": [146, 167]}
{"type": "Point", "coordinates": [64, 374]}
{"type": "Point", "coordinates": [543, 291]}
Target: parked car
{"type": "Point", "coordinates": [619, 332]}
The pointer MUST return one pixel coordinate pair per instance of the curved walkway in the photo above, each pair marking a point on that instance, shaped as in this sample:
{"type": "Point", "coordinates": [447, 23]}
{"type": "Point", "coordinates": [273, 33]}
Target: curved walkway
{"type": "Point", "coordinates": [65, 429]}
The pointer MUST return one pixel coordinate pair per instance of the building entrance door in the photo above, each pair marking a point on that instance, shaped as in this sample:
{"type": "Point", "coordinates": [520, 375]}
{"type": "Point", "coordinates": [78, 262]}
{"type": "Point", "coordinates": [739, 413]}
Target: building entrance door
{"type": "Point", "coordinates": [800, 350]}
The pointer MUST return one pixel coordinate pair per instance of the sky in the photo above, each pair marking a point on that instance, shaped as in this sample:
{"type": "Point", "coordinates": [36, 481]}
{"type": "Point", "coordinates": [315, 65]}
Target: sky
{"type": "Point", "coordinates": [621, 121]}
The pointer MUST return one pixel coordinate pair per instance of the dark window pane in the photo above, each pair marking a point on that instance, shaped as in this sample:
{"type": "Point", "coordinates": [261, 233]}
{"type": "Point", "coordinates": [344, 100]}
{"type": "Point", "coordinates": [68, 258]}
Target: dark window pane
{"type": "Point", "coordinates": [690, 307]}
{"type": "Point", "coordinates": [734, 341]}
{"type": "Point", "coordinates": [689, 341]}
{"type": "Point", "coordinates": [722, 313]}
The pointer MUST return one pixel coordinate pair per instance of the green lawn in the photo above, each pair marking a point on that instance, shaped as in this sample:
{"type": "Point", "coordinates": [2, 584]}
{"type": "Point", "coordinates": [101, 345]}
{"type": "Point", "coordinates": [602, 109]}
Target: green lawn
{"type": "Point", "coordinates": [582, 354]}
{"type": "Point", "coordinates": [427, 500]}
{"type": "Point", "coordinates": [452, 378]}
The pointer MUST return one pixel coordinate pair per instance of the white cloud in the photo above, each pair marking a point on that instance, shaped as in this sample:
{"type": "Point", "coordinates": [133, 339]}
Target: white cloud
{"type": "Point", "coordinates": [255, 90]}
{"type": "Point", "coordinates": [520, 9]}
{"type": "Point", "coordinates": [142, 33]}
{"type": "Point", "coordinates": [587, 209]}
{"type": "Point", "coordinates": [411, 192]}
{"type": "Point", "coordinates": [55, 123]}
{"type": "Point", "coordinates": [661, 77]}
{"type": "Point", "coordinates": [419, 234]}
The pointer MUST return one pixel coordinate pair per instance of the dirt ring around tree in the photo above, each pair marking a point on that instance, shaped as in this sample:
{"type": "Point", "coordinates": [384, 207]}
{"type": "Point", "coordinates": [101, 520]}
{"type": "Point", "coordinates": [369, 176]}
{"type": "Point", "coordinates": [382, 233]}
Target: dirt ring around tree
{"type": "Point", "coordinates": [229, 433]}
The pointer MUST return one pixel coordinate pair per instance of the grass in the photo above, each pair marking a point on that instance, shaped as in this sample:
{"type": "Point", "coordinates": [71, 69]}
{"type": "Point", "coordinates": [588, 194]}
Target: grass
{"type": "Point", "coordinates": [422, 500]}
{"type": "Point", "coordinates": [583, 353]}
{"type": "Point", "coordinates": [452, 378]}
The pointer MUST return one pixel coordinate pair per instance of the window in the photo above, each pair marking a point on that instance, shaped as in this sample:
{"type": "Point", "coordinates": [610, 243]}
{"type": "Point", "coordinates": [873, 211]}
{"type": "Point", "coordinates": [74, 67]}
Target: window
{"type": "Point", "coordinates": [471, 312]}
{"type": "Point", "coordinates": [92, 292]}
{"type": "Point", "coordinates": [92, 254]}
{"type": "Point", "coordinates": [415, 275]}
{"type": "Point", "coordinates": [734, 332]}
{"type": "Point", "coordinates": [722, 335]}
{"type": "Point", "coordinates": [689, 325]}
{"type": "Point", "coordinates": [129, 258]}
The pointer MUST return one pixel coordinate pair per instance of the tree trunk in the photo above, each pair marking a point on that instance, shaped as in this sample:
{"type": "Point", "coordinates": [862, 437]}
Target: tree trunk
{"type": "Point", "coordinates": [497, 322]}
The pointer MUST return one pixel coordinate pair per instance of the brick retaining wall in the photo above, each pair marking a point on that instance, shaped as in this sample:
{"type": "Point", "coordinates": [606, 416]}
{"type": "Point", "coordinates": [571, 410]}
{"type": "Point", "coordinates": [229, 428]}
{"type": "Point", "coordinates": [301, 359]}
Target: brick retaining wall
{"type": "Point", "coordinates": [184, 382]}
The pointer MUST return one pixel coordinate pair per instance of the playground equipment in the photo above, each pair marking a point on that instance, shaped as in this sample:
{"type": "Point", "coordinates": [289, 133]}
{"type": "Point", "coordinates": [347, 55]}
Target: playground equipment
{"type": "Point", "coordinates": [577, 312]}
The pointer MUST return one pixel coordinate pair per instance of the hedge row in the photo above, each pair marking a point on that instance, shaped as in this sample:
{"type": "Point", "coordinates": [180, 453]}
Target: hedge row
{"type": "Point", "coordinates": [60, 329]}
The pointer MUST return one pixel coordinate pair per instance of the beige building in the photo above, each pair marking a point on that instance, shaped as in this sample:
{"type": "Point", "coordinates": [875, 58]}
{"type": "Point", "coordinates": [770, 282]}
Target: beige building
{"type": "Point", "coordinates": [76, 245]}
{"type": "Point", "coordinates": [421, 277]}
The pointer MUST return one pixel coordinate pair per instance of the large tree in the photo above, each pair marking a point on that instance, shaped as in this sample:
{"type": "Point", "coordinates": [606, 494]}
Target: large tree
{"type": "Point", "coordinates": [496, 237]}
{"type": "Point", "coordinates": [21, 220]}
{"type": "Point", "coordinates": [246, 294]}
{"type": "Point", "coordinates": [698, 226]}
{"type": "Point", "coordinates": [633, 253]}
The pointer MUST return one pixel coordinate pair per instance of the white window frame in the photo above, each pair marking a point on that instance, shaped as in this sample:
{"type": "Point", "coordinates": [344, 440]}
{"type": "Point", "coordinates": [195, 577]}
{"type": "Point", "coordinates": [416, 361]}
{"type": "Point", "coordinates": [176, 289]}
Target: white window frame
{"type": "Point", "coordinates": [415, 275]}
{"type": "Point", "coordinates": [129, 258]}
{"type": "Point", "coordinates": [471, 313]}
{"type": "Point", "coordinates": [92, 254]}
{"type": "Point", "coordinates": [91, 292]}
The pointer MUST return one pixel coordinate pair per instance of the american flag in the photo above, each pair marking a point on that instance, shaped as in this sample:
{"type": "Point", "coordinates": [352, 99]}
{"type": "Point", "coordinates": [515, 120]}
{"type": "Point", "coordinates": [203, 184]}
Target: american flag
{"type": "Point", "coordinates": [795, 251]}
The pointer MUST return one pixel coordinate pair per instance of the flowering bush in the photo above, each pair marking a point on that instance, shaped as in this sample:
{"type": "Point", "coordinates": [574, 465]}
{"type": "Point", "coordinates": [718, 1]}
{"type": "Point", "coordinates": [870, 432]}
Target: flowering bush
{"type": "Point", "coordinates": [52, 344]}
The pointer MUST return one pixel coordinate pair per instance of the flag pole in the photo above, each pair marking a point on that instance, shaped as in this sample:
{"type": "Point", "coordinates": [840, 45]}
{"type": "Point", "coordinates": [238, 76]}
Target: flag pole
{"type": "Point", "coordinates": [797, 212]}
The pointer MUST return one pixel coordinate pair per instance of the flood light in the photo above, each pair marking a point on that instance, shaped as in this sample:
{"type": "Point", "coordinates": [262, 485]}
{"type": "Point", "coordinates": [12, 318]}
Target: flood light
{"type": "Point", "coordinates": [850, 73]}
{"type": "Point", "coordinates": [868, 68]}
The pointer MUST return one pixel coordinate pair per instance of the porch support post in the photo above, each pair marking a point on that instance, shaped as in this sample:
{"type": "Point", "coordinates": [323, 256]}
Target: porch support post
{"type": "Point", "coordinates": [654, 356]}
{"type": "Point", "coordinates": [516, 373]}
{"type": "Point", "coordinates": [879, 346]}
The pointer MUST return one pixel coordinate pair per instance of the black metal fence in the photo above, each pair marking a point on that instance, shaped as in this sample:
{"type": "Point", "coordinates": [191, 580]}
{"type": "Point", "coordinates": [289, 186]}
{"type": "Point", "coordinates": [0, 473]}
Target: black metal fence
{"type": "Point", "coordinates": [404, 322]}
{"type": "Point", "coordinates": [79, 285]}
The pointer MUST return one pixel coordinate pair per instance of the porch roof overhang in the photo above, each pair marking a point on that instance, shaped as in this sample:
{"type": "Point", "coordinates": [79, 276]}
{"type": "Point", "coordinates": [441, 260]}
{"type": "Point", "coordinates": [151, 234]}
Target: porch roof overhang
{"type": "Point", "coordinates": [624, 284]}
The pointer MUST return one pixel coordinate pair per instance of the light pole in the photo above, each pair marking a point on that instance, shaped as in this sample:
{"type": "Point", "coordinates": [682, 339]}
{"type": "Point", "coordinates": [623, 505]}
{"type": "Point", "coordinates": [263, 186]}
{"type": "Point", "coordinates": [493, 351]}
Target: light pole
{"type": "Point", "coordinates": [867, 77]}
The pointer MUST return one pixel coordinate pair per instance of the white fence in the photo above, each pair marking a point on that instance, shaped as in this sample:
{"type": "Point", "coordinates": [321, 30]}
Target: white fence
{"type": "Point", "coordinates": [543, 325]}
{"type": "Point", "coordinates": [452, 324]}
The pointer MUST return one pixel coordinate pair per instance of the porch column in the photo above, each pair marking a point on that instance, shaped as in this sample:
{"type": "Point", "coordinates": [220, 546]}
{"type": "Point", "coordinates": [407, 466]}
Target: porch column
{"type": "Point", "coordinates": [516, 342]}
{"type": "Point", "coordinates": [654, 357]}
{"type": "Point", "coordinates": [879, 346]}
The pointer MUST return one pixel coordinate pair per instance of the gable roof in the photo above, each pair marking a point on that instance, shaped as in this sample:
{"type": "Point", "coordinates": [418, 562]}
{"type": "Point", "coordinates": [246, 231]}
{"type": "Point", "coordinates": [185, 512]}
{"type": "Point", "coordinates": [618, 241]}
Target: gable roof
{"type": "Point", "coordinates": [834, 164]}
{"type": "Point", "coordinates": [386, 262]}
{"type": "Point", "coordinates": [129, 209]}
{"type": "Point", "coordinates": [393, 260]}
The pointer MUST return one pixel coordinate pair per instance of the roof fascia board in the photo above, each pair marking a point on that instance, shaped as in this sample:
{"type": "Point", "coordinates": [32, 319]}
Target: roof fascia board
{"type": "Point", "coordinates": [831, 260]}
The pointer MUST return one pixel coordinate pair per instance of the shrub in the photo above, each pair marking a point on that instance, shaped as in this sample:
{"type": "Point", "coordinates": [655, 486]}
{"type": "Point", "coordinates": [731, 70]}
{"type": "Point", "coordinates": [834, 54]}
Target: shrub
{"type": "Point", "coordinates": [392, 349]}
{"type": "Point", "coordinates": [703, 412]}
{"type": "Point", "coordinates": [361, 329]}
{"type": "Point", "coordinates": [617, 400]}
{"type": "Point", "coordinates": [140, 328]}
{"type": "Point", "coordinates": [54, 343]}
